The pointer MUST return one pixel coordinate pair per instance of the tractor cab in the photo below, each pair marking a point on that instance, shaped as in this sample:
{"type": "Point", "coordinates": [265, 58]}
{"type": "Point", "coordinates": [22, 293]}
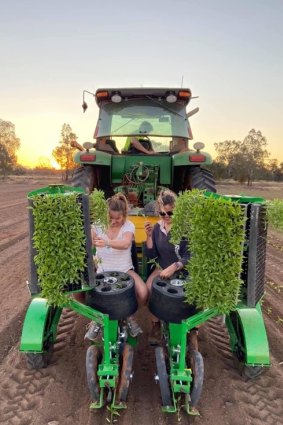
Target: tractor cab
{"type": "Point", "coordinates": [158, 115]}
{"type": "Point", "coordinates": [142, 144]}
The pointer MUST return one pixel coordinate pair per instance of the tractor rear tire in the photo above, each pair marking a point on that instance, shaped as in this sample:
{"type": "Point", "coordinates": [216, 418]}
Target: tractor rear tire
{"type": "Point", "coordinates": [85, 178]}
{"type": "Point", "coordinates": [167, 302]}
{"type": "Point", "coordinates": [114, 294]}
{"type": "Point", "coordinates": [199, 178]}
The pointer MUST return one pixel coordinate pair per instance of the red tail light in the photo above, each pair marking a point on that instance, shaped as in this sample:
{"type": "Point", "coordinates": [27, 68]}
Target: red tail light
{"type": "Point", "coordinates": [196, 158]}
{"type": "Point", "coordinates": [88, 157]}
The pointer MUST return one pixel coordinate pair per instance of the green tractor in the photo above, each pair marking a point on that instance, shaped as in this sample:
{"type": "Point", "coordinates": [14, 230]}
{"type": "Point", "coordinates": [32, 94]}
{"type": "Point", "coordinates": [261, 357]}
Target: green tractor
{"type": "Point", "coordinates": [156, 117]}
{"type": "Point", "coordinates": [110, 296]}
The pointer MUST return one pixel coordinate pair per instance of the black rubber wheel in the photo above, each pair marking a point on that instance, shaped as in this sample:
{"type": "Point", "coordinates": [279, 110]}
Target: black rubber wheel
{"type": "Point", "coordinates": [199, 178]}
{"type": "Point", "coordinates": [92, 359]}
{"type": "Point", "coordinates": [163, 378]}
{"type": "Point", "coordinates": [239, 353]}
{"type": "Point", "coordinates": [252, 372]}
{"type": "Point", "coordinates": [37, 360]}
{"type": "Point", "coordinates": [197, 366]}
{"type": "Point", "coordinates": [167, 300]}
{"type": "Point", "coordinates": [114, 294]}
{"type": "Point", "coordinates": [125, 373]}
{"type": "Point", "coordinates": [85, 177]}
{"type": "Point", "coordinates": [41, 360]}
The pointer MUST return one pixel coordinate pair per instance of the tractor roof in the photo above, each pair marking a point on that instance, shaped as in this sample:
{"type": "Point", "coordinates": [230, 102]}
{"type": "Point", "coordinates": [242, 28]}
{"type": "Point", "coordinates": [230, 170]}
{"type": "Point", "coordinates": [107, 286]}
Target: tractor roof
{"type": "Point", "coordinates": [142, 92]}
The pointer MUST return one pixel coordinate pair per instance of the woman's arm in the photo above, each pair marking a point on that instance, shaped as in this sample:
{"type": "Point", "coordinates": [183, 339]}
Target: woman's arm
{"type": "Point", "coordinates": [123, 243]}
{"type": "Point", "coordinates": [150, 246]}
{"type": "Point", "coordinates": [93, 234]}
{"type": "Point", "coordinates": [180, 263]}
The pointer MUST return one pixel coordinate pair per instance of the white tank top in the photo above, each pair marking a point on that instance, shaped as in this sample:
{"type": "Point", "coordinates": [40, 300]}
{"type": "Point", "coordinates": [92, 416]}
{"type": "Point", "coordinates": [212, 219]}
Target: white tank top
{"type": "Point", "coordinates": [111, 259]}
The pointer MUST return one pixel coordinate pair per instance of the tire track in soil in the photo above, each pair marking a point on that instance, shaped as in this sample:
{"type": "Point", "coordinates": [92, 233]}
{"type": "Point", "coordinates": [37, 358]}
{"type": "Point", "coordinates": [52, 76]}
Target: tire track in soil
{"type": "Point", "coordinates": [11, 222]}
{"type": "Point", "coordinates": [261, 398]}
{"type": "Point", "coordinates": [12, 204]}
{"type": "Point", "coordinates": [12, 241]}
{"type": "Point", "coordinates": [22, 390]}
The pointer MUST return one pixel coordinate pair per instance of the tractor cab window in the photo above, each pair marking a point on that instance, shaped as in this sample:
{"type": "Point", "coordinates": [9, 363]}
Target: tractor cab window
{"type": "Point", "coordinates": [125, 118]}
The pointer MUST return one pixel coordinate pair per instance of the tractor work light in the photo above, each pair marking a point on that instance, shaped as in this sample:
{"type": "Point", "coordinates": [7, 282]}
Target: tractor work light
{"type": "Point", "coordinates": [198, 146]}
{"type": "Point", "coordinates": [116, 98]}
{"type": "Point", "coordinates": [171, 97]}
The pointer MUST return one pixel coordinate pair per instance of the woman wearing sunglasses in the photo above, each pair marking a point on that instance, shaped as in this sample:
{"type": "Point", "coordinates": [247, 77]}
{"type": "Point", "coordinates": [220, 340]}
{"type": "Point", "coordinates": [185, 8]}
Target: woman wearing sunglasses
{"type": "Point", "coordinates": [170, 258]}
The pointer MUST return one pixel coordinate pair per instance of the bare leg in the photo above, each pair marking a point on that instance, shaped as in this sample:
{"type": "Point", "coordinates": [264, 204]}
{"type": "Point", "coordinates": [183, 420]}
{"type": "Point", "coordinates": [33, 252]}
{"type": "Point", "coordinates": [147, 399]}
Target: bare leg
{"type": "Point", "coordinates": [149, 282]}
{"type": "Point", "coordinates": [140, 287]}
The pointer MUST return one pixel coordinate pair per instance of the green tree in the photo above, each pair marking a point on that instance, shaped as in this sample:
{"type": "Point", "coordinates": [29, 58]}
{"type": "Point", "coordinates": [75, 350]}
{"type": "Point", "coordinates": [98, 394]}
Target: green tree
{"type": "Point", "coordinates": [9, 145]}
{"type": "Point", "coordinates": [6, 162]}
{"type": "Point", "coordinates": [274, 170]}
{"type": "Point", "coordinates": [63, 153]}
{"type": "Point", "coordinates": [244, 160]}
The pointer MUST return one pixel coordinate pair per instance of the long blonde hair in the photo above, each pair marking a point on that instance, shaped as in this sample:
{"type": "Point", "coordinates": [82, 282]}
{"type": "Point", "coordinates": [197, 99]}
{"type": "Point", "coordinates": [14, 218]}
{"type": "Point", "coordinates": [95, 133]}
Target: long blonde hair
{"type": "Point", "coordinates": [118, 203]}
{"type": "Point", "coordinates": [166, 197]}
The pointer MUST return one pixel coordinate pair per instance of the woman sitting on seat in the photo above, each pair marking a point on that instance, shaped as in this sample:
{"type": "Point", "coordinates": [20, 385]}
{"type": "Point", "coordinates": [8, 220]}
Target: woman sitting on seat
{"type": "Point", "coordinates": [113, 251]}
{"type": "Point", "coordinates": [170, 258]}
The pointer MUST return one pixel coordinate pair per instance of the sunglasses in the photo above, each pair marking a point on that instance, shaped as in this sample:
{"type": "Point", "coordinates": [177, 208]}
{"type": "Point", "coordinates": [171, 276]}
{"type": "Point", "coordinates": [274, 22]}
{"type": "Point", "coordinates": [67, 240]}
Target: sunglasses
{"type": "Point", "coordinates": [168, 213]}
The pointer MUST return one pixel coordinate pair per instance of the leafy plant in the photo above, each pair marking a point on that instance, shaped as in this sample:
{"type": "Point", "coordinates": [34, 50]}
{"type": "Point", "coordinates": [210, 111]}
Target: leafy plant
{"type": "Point", "coordinates": [214, 228]}
{"type": "Point", "coordinates": [112, 413]}
{"type": "Point", "coordinates": [154, 263]}
{"type": "Point", "coordinates": [275, 213]}
{"type": "Point", "coordinates": [98, 209]}
{"type": "Point", "coordinates": [60, 243]}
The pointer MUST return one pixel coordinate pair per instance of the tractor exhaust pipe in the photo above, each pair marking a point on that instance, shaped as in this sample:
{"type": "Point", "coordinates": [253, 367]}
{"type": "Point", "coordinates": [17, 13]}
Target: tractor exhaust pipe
{"type": "Point", "coordinates": [75, 144]}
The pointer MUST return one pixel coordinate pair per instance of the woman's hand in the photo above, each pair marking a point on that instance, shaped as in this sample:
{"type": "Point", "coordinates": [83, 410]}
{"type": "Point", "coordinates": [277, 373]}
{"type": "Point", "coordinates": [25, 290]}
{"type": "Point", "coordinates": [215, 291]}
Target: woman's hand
{"type": "Point", "coordinates": [100, 243]}
{"type": "Point", "coordinates": [168, 272]}
{"type": "Point", "coordinates": [148, 227]}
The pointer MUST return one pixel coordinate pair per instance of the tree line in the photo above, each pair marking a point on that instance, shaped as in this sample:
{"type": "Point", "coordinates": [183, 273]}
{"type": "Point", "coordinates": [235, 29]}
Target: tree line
{"type": "Point", "coordinates": [246, 161]}
{"type": "Point", "coordinates": [243, 161]}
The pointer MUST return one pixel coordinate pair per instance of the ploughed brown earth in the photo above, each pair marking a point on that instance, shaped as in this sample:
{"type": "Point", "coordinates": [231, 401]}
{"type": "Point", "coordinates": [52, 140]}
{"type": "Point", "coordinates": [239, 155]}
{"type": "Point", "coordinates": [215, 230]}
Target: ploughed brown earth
{"type": "Point", "coordinates": [59, 395]}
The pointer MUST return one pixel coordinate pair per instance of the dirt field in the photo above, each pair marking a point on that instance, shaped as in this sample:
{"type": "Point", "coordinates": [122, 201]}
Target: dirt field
{"type": "Point", "coordinates": [58, 395]}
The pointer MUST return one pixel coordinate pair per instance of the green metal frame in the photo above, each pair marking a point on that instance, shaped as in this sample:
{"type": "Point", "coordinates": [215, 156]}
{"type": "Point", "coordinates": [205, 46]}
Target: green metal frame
{"type": "Point", "coordinates": [53, 189]}
{"type": "Point", "coordinates": [180, 375]}
{"type": "Point", "coordinates": [34, 335]}
{"type": "Point", "coordinates": [34, 332]}
{"type": "Point", "coordinates": [182, 159]}
{"type": "Point", "coordinates": [254, 346]}
{"type": "Point", "coordinates": [251, 336]}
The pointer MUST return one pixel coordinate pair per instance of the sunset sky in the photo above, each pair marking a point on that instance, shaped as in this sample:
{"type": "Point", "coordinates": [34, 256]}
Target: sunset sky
{"type": "Point", "coordinates": [229, 53]}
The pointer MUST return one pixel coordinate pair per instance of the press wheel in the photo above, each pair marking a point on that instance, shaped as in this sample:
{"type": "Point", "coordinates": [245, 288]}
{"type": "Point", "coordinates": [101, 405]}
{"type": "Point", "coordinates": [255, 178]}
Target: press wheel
{"type": "Point", "coordinates": [92, 357]}
{"type": "Point", "coordinates": [197, 366]}
{"type": "Point", "coordinates": [125, 373]}
{"type": "Point", "coordinates": [163, 378]}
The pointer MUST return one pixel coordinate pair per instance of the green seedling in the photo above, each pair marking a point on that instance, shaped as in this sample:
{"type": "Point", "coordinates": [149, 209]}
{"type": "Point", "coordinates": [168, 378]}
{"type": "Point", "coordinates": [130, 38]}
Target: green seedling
{"type": "Point", "coordinates": [60, 244]}
{"type": "Point", "coordinates": [113, 413]}
{"type": "Point", "coordinates": [215, 231]}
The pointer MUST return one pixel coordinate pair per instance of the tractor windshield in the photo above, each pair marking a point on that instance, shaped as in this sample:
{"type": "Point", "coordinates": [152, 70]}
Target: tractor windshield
{"type": "Point", "coordinates": [127, 118]}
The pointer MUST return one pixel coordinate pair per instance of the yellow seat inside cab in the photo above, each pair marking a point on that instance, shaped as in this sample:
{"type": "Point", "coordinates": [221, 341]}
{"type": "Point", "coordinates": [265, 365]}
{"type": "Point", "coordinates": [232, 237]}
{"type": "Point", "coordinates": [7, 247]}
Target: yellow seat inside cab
{"type": "Point", "coordinates": [139, 221]}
